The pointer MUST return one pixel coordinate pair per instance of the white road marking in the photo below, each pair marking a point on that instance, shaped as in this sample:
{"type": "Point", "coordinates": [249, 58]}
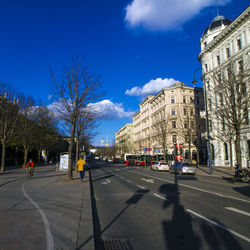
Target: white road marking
{"type": "Point", "coordinates": [159, 196]}
{"type": "Point", "coordinates": [195, 188]}
{"type": "Point", "coordinates": [148, 180]}
{"type": "Point", "coordinates": [237, 211]}
{"type": "Point", "coordinates": [220, 226]}
{"type": "Point", "coordinates": [142, 187]}
{"type": "Point", "coordinates": [129, 181]}
{"type": "Point", "coordinates": [106, 182]}
{"type": "Point", "coordinates": [49, 237]}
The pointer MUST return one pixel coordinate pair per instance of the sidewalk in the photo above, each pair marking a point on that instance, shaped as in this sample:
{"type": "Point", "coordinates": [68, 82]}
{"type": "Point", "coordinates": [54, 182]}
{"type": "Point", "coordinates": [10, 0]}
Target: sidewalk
{"type": "Point", "coordinates": [67, 204]}
{"type": "Point", "coordinates": [219, 172]}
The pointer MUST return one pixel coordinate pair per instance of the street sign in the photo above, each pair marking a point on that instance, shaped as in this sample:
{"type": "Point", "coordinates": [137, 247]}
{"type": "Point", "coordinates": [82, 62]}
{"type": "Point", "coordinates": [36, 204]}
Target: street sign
{"type": "Point", "coordinates": [147, 149]}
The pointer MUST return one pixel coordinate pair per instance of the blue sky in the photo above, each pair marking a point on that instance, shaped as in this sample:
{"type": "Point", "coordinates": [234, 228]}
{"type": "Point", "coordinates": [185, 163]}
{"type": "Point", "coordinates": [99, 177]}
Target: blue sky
{"type": "Point", "coordinates": [138, 46]}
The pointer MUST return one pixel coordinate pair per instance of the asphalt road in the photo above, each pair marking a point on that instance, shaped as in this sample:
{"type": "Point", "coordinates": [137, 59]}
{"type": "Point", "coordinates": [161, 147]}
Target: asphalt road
{"type": "Point", "coordinates": [144, 209]}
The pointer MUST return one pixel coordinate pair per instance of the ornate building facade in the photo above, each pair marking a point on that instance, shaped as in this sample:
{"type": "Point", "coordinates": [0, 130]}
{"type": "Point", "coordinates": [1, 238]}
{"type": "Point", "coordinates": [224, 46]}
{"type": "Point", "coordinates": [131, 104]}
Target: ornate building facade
{"type": "Point", "coordinates": [168, 118]}
{"type": "Point", "coordinates": [224, 57]}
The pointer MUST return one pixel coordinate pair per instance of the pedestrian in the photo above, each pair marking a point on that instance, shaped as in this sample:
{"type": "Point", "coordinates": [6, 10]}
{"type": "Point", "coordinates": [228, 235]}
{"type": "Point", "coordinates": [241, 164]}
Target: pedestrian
{"type": "Point", "coordinates": [80, 167]}
{"type": "Point", "coordinates": [30, 167]}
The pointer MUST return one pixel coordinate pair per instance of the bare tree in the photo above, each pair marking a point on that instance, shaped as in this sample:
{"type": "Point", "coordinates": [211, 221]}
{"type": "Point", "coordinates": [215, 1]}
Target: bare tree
{"type": "Point", "coordinates": [190, 127]}
{"type": "Point", "coordinates": [77, 88]}
{"type": "Point", "coordinates": [45, 131]}
{"type": "Point", "coordinates": [162, 129]}
{"type": "Point", "coordinates": [8, 117]}
{"type": "Point", "coordinates": [85, 129]}
{"type": "Point", "coordinates": [229, 103]}
{"type": "Point", "coordinates": [25, 132]}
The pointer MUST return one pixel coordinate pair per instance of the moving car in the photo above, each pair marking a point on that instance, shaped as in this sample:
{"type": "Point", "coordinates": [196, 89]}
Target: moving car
{"type": "Point", "coordinates": [159, 165]}
{"type": "Point", "coordinates": [182, 168]}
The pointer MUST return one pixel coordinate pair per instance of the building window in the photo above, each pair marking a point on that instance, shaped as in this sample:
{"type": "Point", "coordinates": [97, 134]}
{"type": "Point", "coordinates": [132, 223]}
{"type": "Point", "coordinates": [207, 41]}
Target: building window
{"type": "Point", "coordinates": [191, 112]}
{"type": "Point", "coordinates": [173, 124]}
{"type": "Point", "coordinates": [184, 99]}
{"type": "Point", "coordinates": [240, 66]}
{"type": "Point", "coordinates": [245, 114]}
{"type": "Point", "coordinates": [173, 111]}
{"type": "Point", "coordinates": [228, 53]}
{"type": "Point", "coordinates": [212, 153]}
{"type": "Point", "coordinates": [226, 151]}
{"type": "Point", "coordinates": [174, 139]}
{"type": "Point", "coordinates": [184, 111]}
{"type": "Point", "coordinates": [206, 68]}
{"type": "Point", "coordinates": [191, 99]}
{"type": "Point", "coordinates": [172, 100]}
{"type": "Point", "coordinates": [218, 60]}
{"type": "Point", "coordinates": [239, 44]}
{"type": "Point", "coordinates": [185, 125]}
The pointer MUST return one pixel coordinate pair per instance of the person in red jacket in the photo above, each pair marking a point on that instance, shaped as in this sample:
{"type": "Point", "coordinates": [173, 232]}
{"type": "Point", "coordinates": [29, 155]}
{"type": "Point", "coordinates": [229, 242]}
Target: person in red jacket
{"type": "Point", "coordinates": [30, 167]}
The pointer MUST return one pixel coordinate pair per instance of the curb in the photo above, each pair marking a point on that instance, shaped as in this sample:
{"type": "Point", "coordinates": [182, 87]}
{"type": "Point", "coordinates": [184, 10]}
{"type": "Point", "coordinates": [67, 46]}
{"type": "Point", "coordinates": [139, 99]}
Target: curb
{"type": "Point", "coordinates": [86, 231]}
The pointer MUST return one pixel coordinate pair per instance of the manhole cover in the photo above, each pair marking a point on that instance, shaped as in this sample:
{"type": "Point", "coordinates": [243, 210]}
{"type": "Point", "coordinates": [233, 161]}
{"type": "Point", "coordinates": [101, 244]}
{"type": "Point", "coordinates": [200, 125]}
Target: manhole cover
{"type": "Point", "coordinates": [116, 244]}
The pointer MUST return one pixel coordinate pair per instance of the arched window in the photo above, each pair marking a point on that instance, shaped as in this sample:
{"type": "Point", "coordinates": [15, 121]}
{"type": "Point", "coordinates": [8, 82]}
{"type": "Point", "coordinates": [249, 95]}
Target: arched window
{"type": "Point", "coordinates": [226, 151]}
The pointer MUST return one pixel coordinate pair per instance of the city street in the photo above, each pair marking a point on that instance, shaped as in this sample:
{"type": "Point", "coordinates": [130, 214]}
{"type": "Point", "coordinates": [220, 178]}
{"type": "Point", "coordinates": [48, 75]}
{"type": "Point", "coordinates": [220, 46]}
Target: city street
{"type": "Point", "coordinates": [127, 207]}
{"type": "Point", "coordinates": [144, 209]}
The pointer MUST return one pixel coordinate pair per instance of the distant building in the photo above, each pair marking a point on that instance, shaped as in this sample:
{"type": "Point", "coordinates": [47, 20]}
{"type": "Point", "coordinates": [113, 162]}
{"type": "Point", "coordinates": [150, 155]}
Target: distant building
{"type": "Point", "coordinates": [168, 118]}
{"type": "Point", "coordinates": [225, 47]}
{"type": "Point", "coordinates": [107, 142]}
{"type": "Point", "coordinates": [124, 142]}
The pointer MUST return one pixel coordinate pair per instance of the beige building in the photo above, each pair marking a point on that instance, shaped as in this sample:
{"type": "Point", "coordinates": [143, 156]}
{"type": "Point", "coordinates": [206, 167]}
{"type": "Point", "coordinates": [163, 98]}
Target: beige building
{"type": "Point", "coordinates": [168, 118]}
{"type": "Point", "coordinates": [225, 48]}
{"type": "Point", "coordinates": [124, 140]}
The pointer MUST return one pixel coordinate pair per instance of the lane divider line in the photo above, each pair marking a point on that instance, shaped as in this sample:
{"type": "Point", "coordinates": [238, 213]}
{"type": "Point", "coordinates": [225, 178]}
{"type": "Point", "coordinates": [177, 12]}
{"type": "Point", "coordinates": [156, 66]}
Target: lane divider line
{"type": "Point", "coordinates": [49, 237]}
{"type": "Point", "coordinates": [159, 196]}
{"type": "Point", "coordinates": [195, 188]}
{"type": "Point", "coordinates": [219, 225]}
{"type": "Point", "coordinates": [129, 181]}
{"type": "Point", "coordinates": [142, 187]}
{"type": "Point", "coordinates": [237, 211]}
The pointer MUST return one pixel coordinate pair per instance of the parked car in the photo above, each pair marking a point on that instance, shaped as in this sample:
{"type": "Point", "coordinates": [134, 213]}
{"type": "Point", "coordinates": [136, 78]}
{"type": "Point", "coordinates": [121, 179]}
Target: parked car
{"type": "Point", "coordinates": [182, 168]}
{"type": "Point", "coordinates": [158, 165]}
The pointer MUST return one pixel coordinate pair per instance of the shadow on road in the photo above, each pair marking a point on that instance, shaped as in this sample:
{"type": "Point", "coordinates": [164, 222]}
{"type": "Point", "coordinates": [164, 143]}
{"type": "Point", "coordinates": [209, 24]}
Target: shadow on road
{"type": "Point", "coordinates": [98, 231]}
{"type": "Point", "coordinates": [179, 233]}
{"type": "Point", "coordinates": [243, 190]}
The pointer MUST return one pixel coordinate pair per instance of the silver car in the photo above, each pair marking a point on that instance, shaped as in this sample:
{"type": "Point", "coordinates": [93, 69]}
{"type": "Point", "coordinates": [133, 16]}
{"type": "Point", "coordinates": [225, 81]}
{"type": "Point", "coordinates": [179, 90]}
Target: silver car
{"type": "Point", "coordinates": [182, 168]}
{"type": "Point", "coordinates": [160, 166]}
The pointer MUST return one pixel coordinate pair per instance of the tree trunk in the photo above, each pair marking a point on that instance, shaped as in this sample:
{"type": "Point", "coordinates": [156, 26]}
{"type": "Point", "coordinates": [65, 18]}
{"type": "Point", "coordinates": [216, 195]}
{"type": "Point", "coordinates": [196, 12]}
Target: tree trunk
{"type": "Point", "coordinates": [237, 148]}
{"type": "Point", "coordinates": [3, 156]}
{"type": "Point", "coordinates": [77, 149]}
{"type": "Point", "coordinates": [39, 157]}
{"type": "Point", "coordinates": [70, 152]}
{"type": "Point", "coordinates": [231, 154]}
{"type": "Point", "coordinates": [25, 158]}
{"type": "Point", "coordinates": [198, 157]}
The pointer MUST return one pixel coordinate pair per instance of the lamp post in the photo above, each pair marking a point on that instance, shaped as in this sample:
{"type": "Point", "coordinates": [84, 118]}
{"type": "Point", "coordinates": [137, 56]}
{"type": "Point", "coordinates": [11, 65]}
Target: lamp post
{"type": "Point", "coordinates": [207, 120]}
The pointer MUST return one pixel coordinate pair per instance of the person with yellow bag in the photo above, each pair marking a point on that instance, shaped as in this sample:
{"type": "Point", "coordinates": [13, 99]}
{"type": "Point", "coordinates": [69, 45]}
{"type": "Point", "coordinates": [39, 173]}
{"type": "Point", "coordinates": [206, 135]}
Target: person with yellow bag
{"type": "Point", "coordinates": [81, 167]}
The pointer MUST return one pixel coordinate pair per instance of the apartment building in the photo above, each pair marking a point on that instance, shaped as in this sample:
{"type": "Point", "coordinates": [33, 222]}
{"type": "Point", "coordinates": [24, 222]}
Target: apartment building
{"type": "Point", "coordinates": [225, 64]}
{"type": "Point", "coordinates": [124, 140]}
{"type": "Point", "coordinates": [170, 117]}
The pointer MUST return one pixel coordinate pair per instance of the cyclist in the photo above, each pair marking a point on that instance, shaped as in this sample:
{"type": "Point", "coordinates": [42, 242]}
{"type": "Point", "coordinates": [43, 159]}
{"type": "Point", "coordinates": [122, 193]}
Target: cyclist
{"type": "Point", "coordinates": [30, 167]}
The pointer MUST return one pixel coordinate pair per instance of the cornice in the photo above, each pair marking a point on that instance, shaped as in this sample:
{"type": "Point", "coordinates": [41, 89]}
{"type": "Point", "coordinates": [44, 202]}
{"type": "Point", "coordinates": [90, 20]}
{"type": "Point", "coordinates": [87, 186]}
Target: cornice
{"type": "Point", "coordinates": [244, 16]}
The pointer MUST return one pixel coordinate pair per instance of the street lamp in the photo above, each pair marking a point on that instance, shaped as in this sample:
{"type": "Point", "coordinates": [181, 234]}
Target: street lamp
{"type": "Point", "coordinates": [207, 121]}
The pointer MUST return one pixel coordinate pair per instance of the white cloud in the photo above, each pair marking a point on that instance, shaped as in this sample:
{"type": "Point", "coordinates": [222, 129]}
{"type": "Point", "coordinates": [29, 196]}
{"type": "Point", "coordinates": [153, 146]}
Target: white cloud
{"type": "Point", "coordinates": [108, 110]}
{"type": "Point", "coordinates": [103, 110]}
{"type": "Point", "coordinates": [151, 87]}
{"type": "Point", "coordinates": [165, 14]}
